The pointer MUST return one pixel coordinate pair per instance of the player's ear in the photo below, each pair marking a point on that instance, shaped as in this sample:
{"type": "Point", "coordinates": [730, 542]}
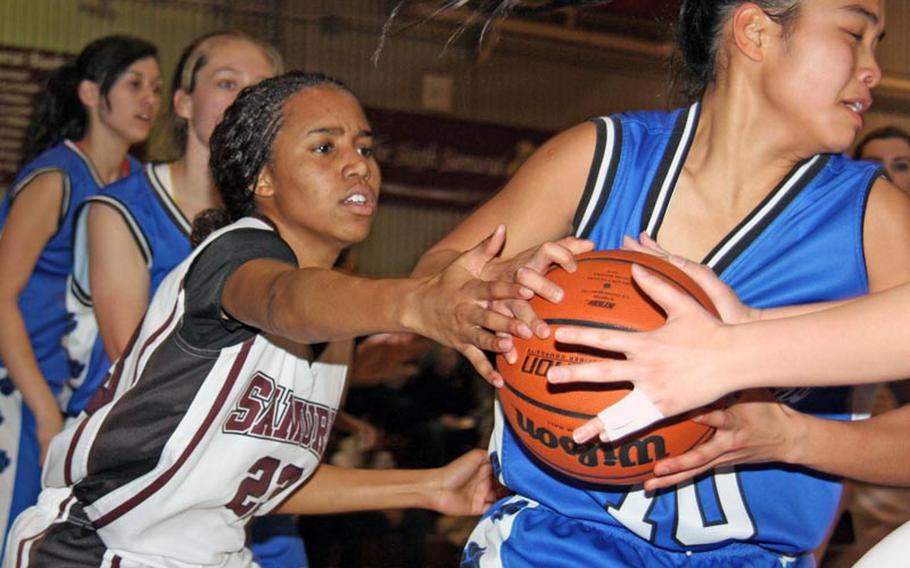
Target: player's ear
{"type": "Point", "coordinates": [752, 30]}
{"type": "Point", "coordinates": [89, 94]}
{"type": "Point", "coordinates": [264, 185]}
{"type": "Point", "coordinates": [183, 104]}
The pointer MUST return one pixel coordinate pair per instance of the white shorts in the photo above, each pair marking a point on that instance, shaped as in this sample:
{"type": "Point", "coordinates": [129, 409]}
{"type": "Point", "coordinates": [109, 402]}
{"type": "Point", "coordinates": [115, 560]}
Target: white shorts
{"type": "Point", "coordinates": [55, 532]}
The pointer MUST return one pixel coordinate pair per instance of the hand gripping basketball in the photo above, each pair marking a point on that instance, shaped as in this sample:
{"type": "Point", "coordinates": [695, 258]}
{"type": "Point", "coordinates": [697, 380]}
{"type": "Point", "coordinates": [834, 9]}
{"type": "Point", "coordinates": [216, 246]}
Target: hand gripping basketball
{"type": "Point", "coordinates": [601, 301]}
{"type": "Point", "coordinates": [673, 369]}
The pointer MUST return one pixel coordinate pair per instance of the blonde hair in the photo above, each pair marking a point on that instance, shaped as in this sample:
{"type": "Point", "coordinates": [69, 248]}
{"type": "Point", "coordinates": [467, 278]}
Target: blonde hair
{"type": "Point", "coordinates": [192, 60]}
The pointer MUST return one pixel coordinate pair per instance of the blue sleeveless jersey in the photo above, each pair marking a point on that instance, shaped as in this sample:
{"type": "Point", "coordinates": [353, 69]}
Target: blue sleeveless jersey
{"type": "Point", "coordinates": [43, 299]}
{"type": "Point", "coordinates": [802, 244]}
{"type": "Point", "coordinates": [49, 322]}
{"type": "Point", "coordinates": [162, 235]}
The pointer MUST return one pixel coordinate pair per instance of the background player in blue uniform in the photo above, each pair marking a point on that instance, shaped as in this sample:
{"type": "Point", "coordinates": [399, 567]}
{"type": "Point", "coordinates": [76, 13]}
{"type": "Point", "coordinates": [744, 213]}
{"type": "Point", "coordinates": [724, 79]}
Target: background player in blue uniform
{"type": "Point", "coordinates": [91, 111]}
{"type": "Point", "coordinates": [125, 249]}
{"type": "Point", "coordinates": [748, 179]}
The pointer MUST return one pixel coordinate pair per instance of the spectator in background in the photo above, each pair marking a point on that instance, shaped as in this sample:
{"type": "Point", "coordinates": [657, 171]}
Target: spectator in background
{"type": "Point", "coordinates": [891, 147]}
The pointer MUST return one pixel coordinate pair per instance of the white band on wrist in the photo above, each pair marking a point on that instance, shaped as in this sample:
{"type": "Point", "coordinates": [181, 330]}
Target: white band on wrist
{"type": "Point", "coordinates": [631, 414]}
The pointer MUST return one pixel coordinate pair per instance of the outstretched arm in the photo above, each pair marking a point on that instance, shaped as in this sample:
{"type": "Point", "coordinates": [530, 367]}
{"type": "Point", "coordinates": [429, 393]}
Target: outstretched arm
{"type": "Point", "coordinates": [463, 487]}
{"type": "Point", "coordinates": [452, 307]}
{"type": "Point", "coordinates": [537, 205]}
{"type": "Point", "coordinates": [865, 340]}
{"type": "Point", "coordinates": [759, 429]}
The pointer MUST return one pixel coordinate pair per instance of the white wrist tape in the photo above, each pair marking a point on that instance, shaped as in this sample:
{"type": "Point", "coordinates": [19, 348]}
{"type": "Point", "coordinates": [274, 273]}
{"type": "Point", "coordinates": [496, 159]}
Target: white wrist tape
{"type": "Point", "coordinates": [631, 414]}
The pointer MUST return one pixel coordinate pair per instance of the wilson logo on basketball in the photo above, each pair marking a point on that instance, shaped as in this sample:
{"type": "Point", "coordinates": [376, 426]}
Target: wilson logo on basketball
{"type": "Point", "coordinates": [542, 415]}
{"type": "Point", "coordinates": [631, 454]}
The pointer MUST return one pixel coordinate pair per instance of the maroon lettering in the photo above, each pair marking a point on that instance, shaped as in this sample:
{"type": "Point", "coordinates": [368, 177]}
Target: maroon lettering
{"type": "Point", "coordinates": [286, 423]}
{"type": "Point", "coordinates": [254, 486]}
{"type": "Point", "coordinates": [250, 405]}
{"type": "Point", "coordinates": [322, 429]}
{"type": "Point", "coordinates": [270, 411]}
{"type": "Point", "coordinates": [266, 421]}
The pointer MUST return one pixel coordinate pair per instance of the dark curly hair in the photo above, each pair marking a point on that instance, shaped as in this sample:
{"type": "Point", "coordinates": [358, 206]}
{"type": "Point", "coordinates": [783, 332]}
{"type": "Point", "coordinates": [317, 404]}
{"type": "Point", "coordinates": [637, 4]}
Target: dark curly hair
{"type": "Point", "coordinates": [60, 114]}
{"type": "Point", "coordinates": [880, 134]}
{"type": "Point", "coordinates": [699, 33]}
{"type": "Point", "coordinates": [241, 145]}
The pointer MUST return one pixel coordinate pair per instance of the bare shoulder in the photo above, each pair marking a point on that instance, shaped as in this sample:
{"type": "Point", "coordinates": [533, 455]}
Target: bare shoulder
{"type": "Point", "coordinates": [36, 205]}
{"type": "Point", "coordinates": [103, 216]}
{"type": "Point", "coordinates": [45, 186]}
{"type": "Point", "coordinates": [886, 236]}
{"type": "Point", "coordinates": [33, 219]}
{"type": "Point", "coordinates": [539, 202]}
{"type": "Point", "coordinates": [569, 143]}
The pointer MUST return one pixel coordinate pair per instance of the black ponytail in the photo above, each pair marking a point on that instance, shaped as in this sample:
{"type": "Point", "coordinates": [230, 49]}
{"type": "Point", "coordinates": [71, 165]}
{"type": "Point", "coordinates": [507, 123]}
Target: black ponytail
{"type": "Point", "coordinates": [697, 45]}
{"type": "Point", "coordinates": [60, 114]}
{"type": "Point", "coordinates": [699, 32]}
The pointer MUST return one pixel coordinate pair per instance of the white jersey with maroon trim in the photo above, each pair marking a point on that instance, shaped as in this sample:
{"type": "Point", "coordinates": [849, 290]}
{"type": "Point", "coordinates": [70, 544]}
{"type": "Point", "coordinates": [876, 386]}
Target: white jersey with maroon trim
{"type": "Point", "coordinates": [184, 444]}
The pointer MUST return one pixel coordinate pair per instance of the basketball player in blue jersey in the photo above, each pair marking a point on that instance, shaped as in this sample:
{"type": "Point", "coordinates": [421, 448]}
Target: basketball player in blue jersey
{"type": "Point", "coordinates": [91, 111]}
{"type": "Point", "coordinates": [750, 178]}
{"type": "Point", "coordinates": [219, 409]}
{"type": "Point", "coordinates": [860, 341]}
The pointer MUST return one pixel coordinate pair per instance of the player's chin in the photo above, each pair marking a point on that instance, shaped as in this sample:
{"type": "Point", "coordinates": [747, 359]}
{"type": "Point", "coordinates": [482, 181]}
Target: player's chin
{"type": "Point", "coordinates": [357, 230]}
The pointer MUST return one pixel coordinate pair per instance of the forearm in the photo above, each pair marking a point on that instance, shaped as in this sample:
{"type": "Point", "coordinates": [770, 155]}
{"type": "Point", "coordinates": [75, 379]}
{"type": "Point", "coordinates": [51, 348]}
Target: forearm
{"type": "Point", "coordinates": [874, 450]}
{"type": "Point", "coordinates": [342, 490]}
{"type": "Point", "coordinates": [829, 347]}
{"type": "Point", "coordinates": [316, 305]}
{"type": "Point", "coordinates": [798, 310]}
{"type": "Point", "coordinates": [19, 358]}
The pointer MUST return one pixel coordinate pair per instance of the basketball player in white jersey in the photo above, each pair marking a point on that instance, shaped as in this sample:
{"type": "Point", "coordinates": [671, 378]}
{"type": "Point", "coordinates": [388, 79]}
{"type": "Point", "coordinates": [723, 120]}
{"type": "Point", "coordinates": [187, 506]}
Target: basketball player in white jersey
{"type": "Point", "coordinates": [220, 408]}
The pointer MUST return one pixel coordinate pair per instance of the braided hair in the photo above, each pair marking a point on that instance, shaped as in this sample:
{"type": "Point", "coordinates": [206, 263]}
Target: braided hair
{"type": "Point", "coordinates": [241, 145]}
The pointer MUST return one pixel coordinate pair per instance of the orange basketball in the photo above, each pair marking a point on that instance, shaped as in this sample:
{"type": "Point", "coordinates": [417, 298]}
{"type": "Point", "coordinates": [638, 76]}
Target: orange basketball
{"type": "Point", "coordinates": [600, 293]}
